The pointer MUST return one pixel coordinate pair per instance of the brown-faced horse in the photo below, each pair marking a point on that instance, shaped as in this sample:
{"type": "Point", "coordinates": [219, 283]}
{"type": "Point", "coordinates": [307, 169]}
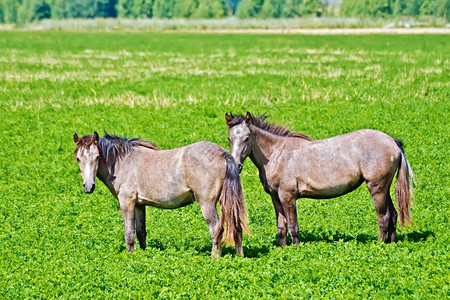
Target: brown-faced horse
{"type": "Point", "coordinates": [139, 174]}
{"type": "Point", "coordinates": [293, 166]}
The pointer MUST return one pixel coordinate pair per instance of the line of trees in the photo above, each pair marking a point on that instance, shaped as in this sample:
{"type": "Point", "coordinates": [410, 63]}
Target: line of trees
{"type": "Point", "coordinates": [384, 8]}
{"type": "Point", "coordinates": [22, 11]}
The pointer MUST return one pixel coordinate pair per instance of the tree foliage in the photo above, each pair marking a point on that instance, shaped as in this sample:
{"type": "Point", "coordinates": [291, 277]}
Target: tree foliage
{"type": "Point", "coordinates": [249, 8]}
{"type": "Point", "coordinates": [9, 10]}
{"type": "Point", "coordinates": [31, 10]}
{"type": "Point", "coordinates": [211, 9]}
{"type": "Point", "coordinates": [135, 8]}
{"type": "Point", "coordinates": [185, 8]}
{"type": "Point", "coordinates": [311, 7]}
{"type": "Point", "coordinates": [437, 8]}
{"type": "Point", "coordinates": [22, 11]}
{"type": "Point", "coordinates": [377, 8]}
{"type": "Point", "coordinates": [163, 9]}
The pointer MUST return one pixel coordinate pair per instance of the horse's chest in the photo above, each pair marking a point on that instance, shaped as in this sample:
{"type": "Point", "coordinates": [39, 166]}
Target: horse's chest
{"type": "Point", "coordinates": [269, 182]}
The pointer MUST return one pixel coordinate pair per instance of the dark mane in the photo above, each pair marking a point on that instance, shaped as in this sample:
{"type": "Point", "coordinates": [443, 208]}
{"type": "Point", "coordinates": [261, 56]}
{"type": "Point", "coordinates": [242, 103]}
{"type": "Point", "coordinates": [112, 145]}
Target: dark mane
{"type": "Point", "coordinates": [113, 147]}
{"type": "Point", "coordinates": [266, 126]}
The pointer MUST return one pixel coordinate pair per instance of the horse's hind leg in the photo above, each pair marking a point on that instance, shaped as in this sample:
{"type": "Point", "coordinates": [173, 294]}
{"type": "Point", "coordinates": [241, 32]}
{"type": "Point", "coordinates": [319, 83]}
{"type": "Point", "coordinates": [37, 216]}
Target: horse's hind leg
{"type": "Point", "coordinates": [238, 243]}
{"type": "Point", "coordinates": [392, 227]}
{"type": "Point", "coordinates": [139, 216]}
{"type": "Point", "coordinates": [386, 214]}
{"type": "Point", "coordinates": [212, 219]}
{"type": "Point", "coordinates": [281, 220]}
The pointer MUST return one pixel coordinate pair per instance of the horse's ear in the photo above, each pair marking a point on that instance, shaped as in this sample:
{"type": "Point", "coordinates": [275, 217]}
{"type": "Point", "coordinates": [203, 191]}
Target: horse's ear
{"type": "Point", "coordinates": [95, 137]}
{"type": "Point", "coordinates": [75, 138]}
{"type": "Point", "coordinates": [228, 118]}
{"type": "Point", "coordinates": [249, 118]}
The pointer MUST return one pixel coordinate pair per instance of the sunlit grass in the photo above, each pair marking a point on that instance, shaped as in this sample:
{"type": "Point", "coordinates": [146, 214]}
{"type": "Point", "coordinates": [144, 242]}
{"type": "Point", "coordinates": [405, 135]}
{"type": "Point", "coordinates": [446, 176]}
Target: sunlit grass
{"type": "Point", "coordinates": [174, 89]}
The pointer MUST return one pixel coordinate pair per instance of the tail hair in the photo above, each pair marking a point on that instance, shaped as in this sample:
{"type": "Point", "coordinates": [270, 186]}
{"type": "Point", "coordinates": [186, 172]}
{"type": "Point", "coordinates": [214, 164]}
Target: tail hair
{"type": "Point", "coordinates": [233, 217]}
{"type": "Point", "coordinates": [403, 188]}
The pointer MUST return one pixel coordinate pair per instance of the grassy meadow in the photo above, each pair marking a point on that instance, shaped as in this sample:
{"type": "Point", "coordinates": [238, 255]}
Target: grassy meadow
{"type": "Point", "coordinates": [174, 89]}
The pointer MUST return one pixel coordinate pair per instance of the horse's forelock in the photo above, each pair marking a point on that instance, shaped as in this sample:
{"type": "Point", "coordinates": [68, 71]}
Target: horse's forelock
{"type": "Point", "coordinates": [235, 120]}
{"type": "Point", "coordinates": [84, 142]}
{"type": "Point", "coordinates": [239, 119]}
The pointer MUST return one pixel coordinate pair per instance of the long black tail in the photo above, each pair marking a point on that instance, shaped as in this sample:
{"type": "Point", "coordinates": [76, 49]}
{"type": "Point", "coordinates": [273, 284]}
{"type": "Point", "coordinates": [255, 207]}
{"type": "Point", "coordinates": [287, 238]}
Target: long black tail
{"type": "Point", "coordinates": [233, 215]}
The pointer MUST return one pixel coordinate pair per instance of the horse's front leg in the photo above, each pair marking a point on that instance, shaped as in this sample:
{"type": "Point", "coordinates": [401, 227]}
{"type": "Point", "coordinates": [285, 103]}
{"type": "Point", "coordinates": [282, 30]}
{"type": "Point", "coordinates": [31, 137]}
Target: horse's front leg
{"type": "Point", "coordinates": [139, 216]}
{"type": "Point", "coordinates": [127, 206]}
{"type": "Point", "coordinates": [281, 220]}
{"type": "Point", "coordinates": [288, 201]}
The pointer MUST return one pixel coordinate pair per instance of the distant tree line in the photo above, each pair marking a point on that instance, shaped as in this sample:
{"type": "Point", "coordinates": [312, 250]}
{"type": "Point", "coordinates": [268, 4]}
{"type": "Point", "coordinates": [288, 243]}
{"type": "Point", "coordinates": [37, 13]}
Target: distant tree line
{"type": "Point", "coordinates": [384, 8]}
{"type": "Point", "coordinates": [22, 11]}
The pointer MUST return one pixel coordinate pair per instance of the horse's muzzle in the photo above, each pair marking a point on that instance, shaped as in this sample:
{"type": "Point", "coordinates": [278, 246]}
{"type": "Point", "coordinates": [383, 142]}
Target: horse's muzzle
{"type": "Point", "coordinates": [89, 189]}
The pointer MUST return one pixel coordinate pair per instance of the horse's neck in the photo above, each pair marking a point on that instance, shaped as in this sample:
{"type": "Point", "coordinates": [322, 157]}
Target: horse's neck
{"type": "Point", "coordinates": [263, 147]}
{"type": "Point", "coordinates": [106, 176]}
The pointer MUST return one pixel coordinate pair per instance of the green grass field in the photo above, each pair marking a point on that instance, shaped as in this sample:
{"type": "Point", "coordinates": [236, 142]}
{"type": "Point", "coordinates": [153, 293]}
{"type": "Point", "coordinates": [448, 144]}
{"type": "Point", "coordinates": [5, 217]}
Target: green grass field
{"type": "Point", "coordinates": [174, 89]}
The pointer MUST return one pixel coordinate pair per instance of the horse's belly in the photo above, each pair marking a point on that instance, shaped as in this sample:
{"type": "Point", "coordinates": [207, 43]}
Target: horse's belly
{"type": "Point", "coordinates": [168, 201]}
{"type": "Point", "coordinates": [329, 189]}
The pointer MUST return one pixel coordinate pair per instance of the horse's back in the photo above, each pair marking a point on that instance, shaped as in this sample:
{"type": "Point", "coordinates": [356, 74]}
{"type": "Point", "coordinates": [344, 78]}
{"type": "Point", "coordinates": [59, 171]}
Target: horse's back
{"type": "Point", "coordinates": [362, 144]}
{"type": "Point", "coordinates": [366, 148]}
{"type": "Point", "coordinates": [187, 161]}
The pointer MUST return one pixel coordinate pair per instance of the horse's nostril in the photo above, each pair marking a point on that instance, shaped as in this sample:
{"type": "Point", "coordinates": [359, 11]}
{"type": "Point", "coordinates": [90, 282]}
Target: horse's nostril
{"type": "Point", "coordinates": [89, 189]}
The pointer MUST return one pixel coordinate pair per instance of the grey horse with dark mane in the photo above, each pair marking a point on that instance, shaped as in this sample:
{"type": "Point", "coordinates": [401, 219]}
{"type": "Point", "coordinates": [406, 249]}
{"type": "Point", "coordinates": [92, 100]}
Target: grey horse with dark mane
{"type": "Point", "coordinates": [139, 174]}
{"type": "Point", "coordinates": [292, 166]}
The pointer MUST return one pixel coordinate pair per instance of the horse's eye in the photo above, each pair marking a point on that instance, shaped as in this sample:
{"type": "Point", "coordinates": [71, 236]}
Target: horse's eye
{"type": "Point", "coordinates": [246, 139]}
{"type": "Point", "coordinates": [97, 158]}
{"type": "Point", "coordinates": [78, 160]}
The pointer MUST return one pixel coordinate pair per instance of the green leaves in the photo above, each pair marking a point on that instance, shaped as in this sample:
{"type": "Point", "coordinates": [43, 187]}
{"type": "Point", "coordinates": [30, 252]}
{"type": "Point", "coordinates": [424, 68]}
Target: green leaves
{"type": "Point", "coordinates": [174, 89]}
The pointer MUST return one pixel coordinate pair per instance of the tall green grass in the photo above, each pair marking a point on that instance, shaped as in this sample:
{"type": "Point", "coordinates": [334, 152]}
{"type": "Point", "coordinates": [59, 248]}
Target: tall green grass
{"type": "Point", "coordinates": [174, 89]}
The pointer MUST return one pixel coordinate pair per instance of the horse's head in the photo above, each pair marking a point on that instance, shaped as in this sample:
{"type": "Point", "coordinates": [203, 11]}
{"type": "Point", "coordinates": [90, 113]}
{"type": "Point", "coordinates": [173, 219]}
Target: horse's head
{"type": "Point", "coordinates": [239, 137]}
{"type": "Point", "coordinates": [87, 155]}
